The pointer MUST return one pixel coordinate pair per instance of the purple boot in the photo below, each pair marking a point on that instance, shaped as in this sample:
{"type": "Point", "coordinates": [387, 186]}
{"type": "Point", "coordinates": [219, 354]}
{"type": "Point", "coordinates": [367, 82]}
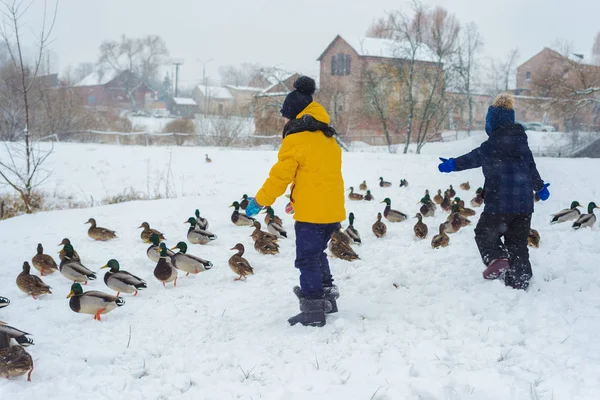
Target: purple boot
{"type": "Point", "coordinates": [496, 268]}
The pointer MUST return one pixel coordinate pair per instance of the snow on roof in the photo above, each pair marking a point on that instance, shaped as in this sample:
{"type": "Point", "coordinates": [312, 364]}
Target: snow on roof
{"type": "Point", "coordinates": [278, 76]}
{"type": "Point", "coordinates": [389, 48]}
{"type": "Point", "coordinates": [215, 92]}
{"type": "Point", "coordinates": [244, 88]}
{"type": "Point", "coordinates": [97, 79]}
{"type": "Point", "coordinates": [184, 101]}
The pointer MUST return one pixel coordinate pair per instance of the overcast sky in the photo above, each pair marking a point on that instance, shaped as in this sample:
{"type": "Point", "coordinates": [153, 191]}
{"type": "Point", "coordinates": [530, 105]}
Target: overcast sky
{"type": "Point", "coordinates": [292, 34]}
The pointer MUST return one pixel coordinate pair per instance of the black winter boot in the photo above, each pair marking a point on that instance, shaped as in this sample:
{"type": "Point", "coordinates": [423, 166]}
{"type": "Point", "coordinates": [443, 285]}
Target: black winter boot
{"type": "Point", "coordinates": [312, 310]}
{"type": "Point", "coordinates": [332, 293]}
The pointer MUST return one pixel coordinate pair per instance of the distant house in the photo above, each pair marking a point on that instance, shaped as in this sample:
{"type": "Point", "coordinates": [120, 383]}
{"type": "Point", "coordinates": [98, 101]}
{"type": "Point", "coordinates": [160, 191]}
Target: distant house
{"type": "Point", "coordinates": [243, 99]}
{"type": "Point", "coordinates": [213, 99]}
{"type": "Point", "coordinates": [267, 104]}
{"type": "Point", "coordinates": [184, 107]}
{"type": "Point", "coordinates": [111, 89]}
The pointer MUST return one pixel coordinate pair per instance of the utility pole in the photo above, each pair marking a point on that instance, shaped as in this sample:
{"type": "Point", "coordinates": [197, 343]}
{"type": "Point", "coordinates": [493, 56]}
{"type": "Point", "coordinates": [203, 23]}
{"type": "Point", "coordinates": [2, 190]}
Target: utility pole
{"type": "Point", "coordinates": [177, 63]}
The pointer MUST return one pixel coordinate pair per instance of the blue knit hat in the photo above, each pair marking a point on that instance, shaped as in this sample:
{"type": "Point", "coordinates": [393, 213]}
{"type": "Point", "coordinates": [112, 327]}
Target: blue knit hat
{"type": "Point", "coordinates": [299, 99]}
{"type": "Point", "coordinates": [500, 113]}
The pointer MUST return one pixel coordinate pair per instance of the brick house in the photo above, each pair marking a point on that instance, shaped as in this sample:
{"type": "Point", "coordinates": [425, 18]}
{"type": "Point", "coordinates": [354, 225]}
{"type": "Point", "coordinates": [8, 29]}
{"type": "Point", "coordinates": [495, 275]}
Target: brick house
{"type": "Point", "coordinates": [111, 89]}
{"type": "Point", "coordinates": [183, 106]}
{"type": "Point", "coordinates": [213, 99]}
{"type": "Point", "coordinates": [243, 99]}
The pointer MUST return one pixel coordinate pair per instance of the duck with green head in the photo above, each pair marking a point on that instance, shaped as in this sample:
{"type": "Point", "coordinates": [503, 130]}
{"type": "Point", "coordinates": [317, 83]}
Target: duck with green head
{"type": "Point", "coordinates": [351, 231]}
{"type": "Point", "coordinates": [244, 202]}
{"type": "Point", "coordinates": [188, 263]}
{"type": "Point", "coordinates": [393, 215]}
{"type": "Point", "coordinates": [92, 302]}
{"type": "Point", "coordinates": [164, 270]}
{"type": "Point", "coordinates": [274, 224]}
{"type": "Point", "coordinates": [568, 214]}
{"type": "Point", "coordinates": [74, 270]}
{"type": "Point", "coordinates": [240, 219]}
{"type": "Point", "coordinates": [428, 207]}
{"type": "Point", "coordinates": [153, 251]}
{"type": "Point", "coordinates": [586, 220]}
{"type": "Point", "coordinates": [122, 281]}
{"type": "Point", "coordinates": [270, 216]}
{"type": "Point", "coordinates": [198, 236]}
{"type": "Point", "coordinates": [383, 183]}
{"type": "Point", "coordinates": [369, 196]}
{"type": "Point", "coordinates": [477, 201]}
{"type": "Point", "coordinates": [61, 253]}
{"type": "Point", "coordinates": [201, 223]}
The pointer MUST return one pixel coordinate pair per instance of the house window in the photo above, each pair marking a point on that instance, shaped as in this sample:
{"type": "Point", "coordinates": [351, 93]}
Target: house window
{"type": "Point", "coordinates": [91, 100]}
{"type": "Point", "coordinates": [220, 108]}
{"type": "Point", "coordinates": [348, 60]}
{"type": "Point", "coordinates": [333, 65]}
{"type": "Point", "coordinates": [528, 76]}
{"type": "Point", "coordinates": [340, 64]}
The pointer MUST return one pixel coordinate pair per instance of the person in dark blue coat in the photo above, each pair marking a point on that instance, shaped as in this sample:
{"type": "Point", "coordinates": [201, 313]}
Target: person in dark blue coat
{"type": "Point", "coordinates": [511, 178]}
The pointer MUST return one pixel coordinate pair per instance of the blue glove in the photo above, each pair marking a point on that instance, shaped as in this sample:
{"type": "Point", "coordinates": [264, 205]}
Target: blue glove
{"type": "Point", "coordinates": [447, 165]}
{"type": "Point", "coordinates": [253, 207]}
{"type": "Point", "coordinates": [544, 193]}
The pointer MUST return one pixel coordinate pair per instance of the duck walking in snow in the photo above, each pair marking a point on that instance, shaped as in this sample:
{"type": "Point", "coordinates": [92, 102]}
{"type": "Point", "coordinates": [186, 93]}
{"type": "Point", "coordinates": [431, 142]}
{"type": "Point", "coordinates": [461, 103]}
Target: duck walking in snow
{"type": "Point", "coordinates": [586, 220]}
{"type": "Point", "coordinates": [14, 360]}
{"type": "Point", "coordinates": [122, 281]}
{"type": "Point", "coordinates": [74, 270]}
{"type": "Point", "coordinates": [355, 196]}
{"type": "Point", "coordinates": [271, 217]}
{"type": "Point", "coordinates": [244, 203]}
{"type": "Point", "coordinates": [31, 285]}
{"type": "Point", "coordinates": [274, 224]}
{"type": "Point", "coordinates": [165, 271]}
{"type": "Point", "coordinates": [240, 219]}
{"type": "Point", "coordinates": [341, 250]}
{"type": "Point", "coordinates": [438, 198]}
{"type": "Point", "coordinates": [383, 183]}
{"type": "Point", "coordinates": [567, 214]}
{"type": "Point", "coordinates": [18, 335]}
{"type": "Point", "coordinates": [201, 223]}
{"type": "Point", "coordinates": [533, 240]}
{"type": "Point", "coordinates": [43, 262]}
{"type": "Point", "coordinates": [351, 231]}
{"type": "Point", "coordinates": [393, 215]}
{"type": "Point", "coordinates": [258, 233]}
{"type": "Point", "coordinates": [92, 302]}
{"type": "Point", "coordinates": [62, 253]}
{"type": "Point", "coordinates": [440, 240]}
{"type": "Point", "coordinates": [198, 236]}
{"type": "Point", "coordinates": [153, 251]}
{"type": "Point", "coordinates": [420, 228]}
{"type": "Point", "coordinates": [369, 196]}
{"type": "Point", "coordinates": [238, 264]}
{"type": "Point", "coordinates": [379, 228]}
{"type": "Point", "coordinates": [207, 159]}
{"type": "Point", "coordinates": [188, 263]}
{"type": "Point", "coordinates": [145, 235]}
{"type": "Point", "coordinates": [99, 233]}
{"type": "Point", "coordinates": [465, 186]}
{"type": "Point", "coordinates": [4, 302]}
{"type": "Point", "coordinates": [477, 201]}
{"type": "Point", "coordinates": [403, 183]}
{"type": "Point", "coordinates": [427, 207]}
{"type": "Point", "coordinates": [363, 186]}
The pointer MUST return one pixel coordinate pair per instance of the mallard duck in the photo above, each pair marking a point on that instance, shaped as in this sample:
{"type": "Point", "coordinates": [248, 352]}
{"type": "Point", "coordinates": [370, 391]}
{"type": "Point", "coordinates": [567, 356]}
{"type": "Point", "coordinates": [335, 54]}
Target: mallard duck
{"type": "Point", "coordinates": [446, 203]}
{"type": "Point", "coordinates": [74, 270]}
{"type": "Point", "coordinates": [351, 231]}
{"type": "Point", "coordinates": [438, 198]}
{"type": "Point", "coordinates": [355, 196]}
{"type": "Point", "coordinates": [533, 240]}
{"type": "Point", "coordinates": [145, 235]}
{"type": "Point", "coordinates": [403, 183]}
{"type": "Point", "coordinates": [244, 203]}
{"type": "Point", "coordinates": [465, 186]}
{"type": "Point", "coordinates": [454, 221]}
{"type": "Point", "coordinates": [586, 220]}
{"type": "Point", "coordinates": [122, 281]}
{"type": "Point", "coordinates": [440, 240]}
{"type": "Point", "coordinates": [14, 360]}
{"type": "Point", "coordinates": [567, 214]}
{"type": "Point", "coordinates": [17, 334]}
{"type": "Point", "coordinates": [31, 285]}
{"type": "Point", "coordinates": [239, 265]}
{"type": "Point", "coordinates": [164, 270]}
{"type": "Point", "coordinates": [266, 246]}
{"type": "Point", "coordinates": [240, 219]}
{"type": "Point", "coordinates": [275, 229]}
{"type": "Point", "coordinates": [379, 228]}
{"type": "Point", "coordinates": [188, 263]}
{"type": "Point", "coordinates": [201, 223]}
{"type": "Point", "coordinates": [363, 186]}
{"type": "Point", "coordinates": [393, 215]}
{"type": "Point", "coordinates": [92, 302]}
{"type": "Point", "coordinates": [62, 253]}
{"type": "Point", "coordinates": [383, 183]}
{"type": "Point", "coordinates": [4, 302]}
{"type": "Point", "coordinates": [342, 250]}
{"type": "Point", "coordinates": [271, 217]}
{"type": "Point", "coordinates": [420, 228]}
{"type": "Point", "coordinates": [198, 236]}
{"type": "Point", "coordinates": [258, 233]}
{"type": "Point", "coordinates": [428, 207]}
{"type": "Point", "coordinates": [207, 158]}
{"type": "Point", "coordinates": [342, 237]}
{"type": "Point", "coordinates": [153, 251]}
{"type": "Point", "coordinates": [369, 196]}
{"type": "Point", "coordinates": [477, 201]}
{"type": "Point", "coordinates": [464, 212]}
{"type": "Point", "coordinates": [451, 192]}
{"type": "Point", "coordinates": [99, 233]}
{"type": "Point", "coordinates": [43, 262]}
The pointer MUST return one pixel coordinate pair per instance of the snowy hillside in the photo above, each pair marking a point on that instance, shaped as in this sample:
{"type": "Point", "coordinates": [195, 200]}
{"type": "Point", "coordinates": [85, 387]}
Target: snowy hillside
{"type": "Point", "coordinates": [414, 323]}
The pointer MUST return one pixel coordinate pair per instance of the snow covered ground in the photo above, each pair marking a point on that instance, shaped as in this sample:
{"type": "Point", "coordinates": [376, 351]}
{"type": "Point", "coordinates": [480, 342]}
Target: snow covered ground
{"type": "Point", "coordinates": [443, 333]}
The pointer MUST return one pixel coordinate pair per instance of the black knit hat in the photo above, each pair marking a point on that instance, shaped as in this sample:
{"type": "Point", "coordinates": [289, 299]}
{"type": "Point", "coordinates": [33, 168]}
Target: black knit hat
{"type": "Point", "coordinates": [300, 98]}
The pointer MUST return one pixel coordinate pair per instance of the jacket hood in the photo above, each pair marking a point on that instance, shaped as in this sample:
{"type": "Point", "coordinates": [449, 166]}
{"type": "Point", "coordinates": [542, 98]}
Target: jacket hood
{"type": "Point", "coordinates": [510, 141]}
{"type": "Point", "coordinates": [316, 111]}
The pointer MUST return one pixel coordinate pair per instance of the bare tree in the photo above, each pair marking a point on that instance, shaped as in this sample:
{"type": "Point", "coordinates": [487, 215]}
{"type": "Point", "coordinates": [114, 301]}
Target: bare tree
{"type": "Point", "coordinates": [467, 66]}
{"type": "Point", "coordinates": [238, 75]}
{"type": "Point", "coordinates": [378, 88]}
{"type": "Point", "coordinates": [22, 170]}
{"type": "Point", "coordinates": [596, 50]}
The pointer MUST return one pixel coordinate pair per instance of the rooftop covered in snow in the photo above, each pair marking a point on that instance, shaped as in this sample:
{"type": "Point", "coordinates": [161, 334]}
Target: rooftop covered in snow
{"type": "Point", "coordinates": [184, 101]}
{"type": "Point", "coordinates": [215, 92]}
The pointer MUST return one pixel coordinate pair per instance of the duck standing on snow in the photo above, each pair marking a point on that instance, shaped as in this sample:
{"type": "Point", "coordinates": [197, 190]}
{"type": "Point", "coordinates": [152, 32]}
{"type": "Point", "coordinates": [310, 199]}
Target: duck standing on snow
{"type": "Point", "coordinates": [92, 302]}
{"type": "Point", "coordinates": [403, 183]}
{"type": "Point", "coordinates": [62, 252]}
{"type": "Point", "coordinates": [533, 240]}
{"type": "Point", "coordinates": [271, 217]}
{"type": "Point", "coordinates": [428, 207]}
{"type": "Point", "coordinates": [14, 360]}
{"type": "Point", "coordinates": [342, 250]}
{"type": "Point", "coordinates": [464, 212]}
{"type": "Point", "coordinates": [383, 183]}
{"type": "Point", "coordinates": [440, 240]}
{"type": "Point", "coordinates": [263, 244]}
{"type": "Point", "coordinates": [145, 235]}
{"type": "Point", "coordinates": [274, 224]}
{"type": "Point", "coordinates": [164, 270]}
{"type": "Point", "coordinates": [465, 186]}
{"type": "Point", "coordinates": [99, 233]}
{"type": "Point", "coordinates": [74, 270]}
{"type": "Point", "coordinates": [244, 203]}
{"type": "Point", "coordinates": [240, 219]}
{"type": "Point", "coordinates": [258, 233]}
{"type": "Point", "coordinates": [122, 281]}
{"type": "Point", "coordinates": [393, 215]}
{"type": "Point", "coordinates": [198, 236]}
{"type": "Point", "coordinates": [369, 196]}
{"type": "Point", "coordinates": [188, 263]}
{"type": "Point", "coordinates": [351, 231]}
{"type": "Point", "coordinates": [355, 196]}
{"type": "Point", "coordinates": [17, 334]}
{"type": "Point", "coordinates": [31, 285]}
{"type": "Point", "coordinates": [207, 159]}
{"type": "Point", "coordinates": [420, 228]}
{"type": "Point", "coordinates": [379, 228]}
{"type": "Point", "coordinates": [201, 223]}
{"type": "Point", "coordinates": [477, 201]}
{"type": "Point", "coordinates": [446, 203]}
{"type": "Point", "coordinates": [586, 220]}
{"type": "Point", "coordinates": [451, 192]}
{"type": "Point", "coordinates": [568, 214]}
{"type": "Point", "coordinates": [238, 264]}
{"type": "Point", "coordinates": [438, 198]}
{"type": "Point", "coordinates": [363, 186]}
{"type": "Point", "coordinates": [153, 251]}
{"type": "Point", "coordinates": [4, 302]}
{"type": "Point", "coordinates": [43, 262]}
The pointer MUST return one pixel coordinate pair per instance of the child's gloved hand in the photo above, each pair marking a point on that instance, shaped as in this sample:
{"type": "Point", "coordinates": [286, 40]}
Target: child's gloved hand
{"type": "Point", "coordinates": [544, 193]}
{"type": "Point", "coordinates": [253, 207]}
{"type": "Point", "coordinates": [447, 165]}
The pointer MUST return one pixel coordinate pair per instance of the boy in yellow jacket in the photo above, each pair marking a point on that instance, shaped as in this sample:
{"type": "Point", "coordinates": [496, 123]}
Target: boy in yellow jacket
{"type": "Point", "coordinates": [311, 160]}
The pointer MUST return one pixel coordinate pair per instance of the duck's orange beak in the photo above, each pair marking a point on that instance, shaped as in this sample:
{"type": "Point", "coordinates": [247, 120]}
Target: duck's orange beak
{"type": "Point", "coordinates": [71, 294]}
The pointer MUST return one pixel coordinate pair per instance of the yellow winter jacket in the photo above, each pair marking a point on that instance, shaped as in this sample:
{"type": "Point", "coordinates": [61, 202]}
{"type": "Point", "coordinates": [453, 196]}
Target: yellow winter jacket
{"type": "Point", "coordinates": [312, 162]}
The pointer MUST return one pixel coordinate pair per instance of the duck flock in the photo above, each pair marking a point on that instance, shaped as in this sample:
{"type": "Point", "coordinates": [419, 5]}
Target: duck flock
{"type": "Point", "coordinates": [170, 262]}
